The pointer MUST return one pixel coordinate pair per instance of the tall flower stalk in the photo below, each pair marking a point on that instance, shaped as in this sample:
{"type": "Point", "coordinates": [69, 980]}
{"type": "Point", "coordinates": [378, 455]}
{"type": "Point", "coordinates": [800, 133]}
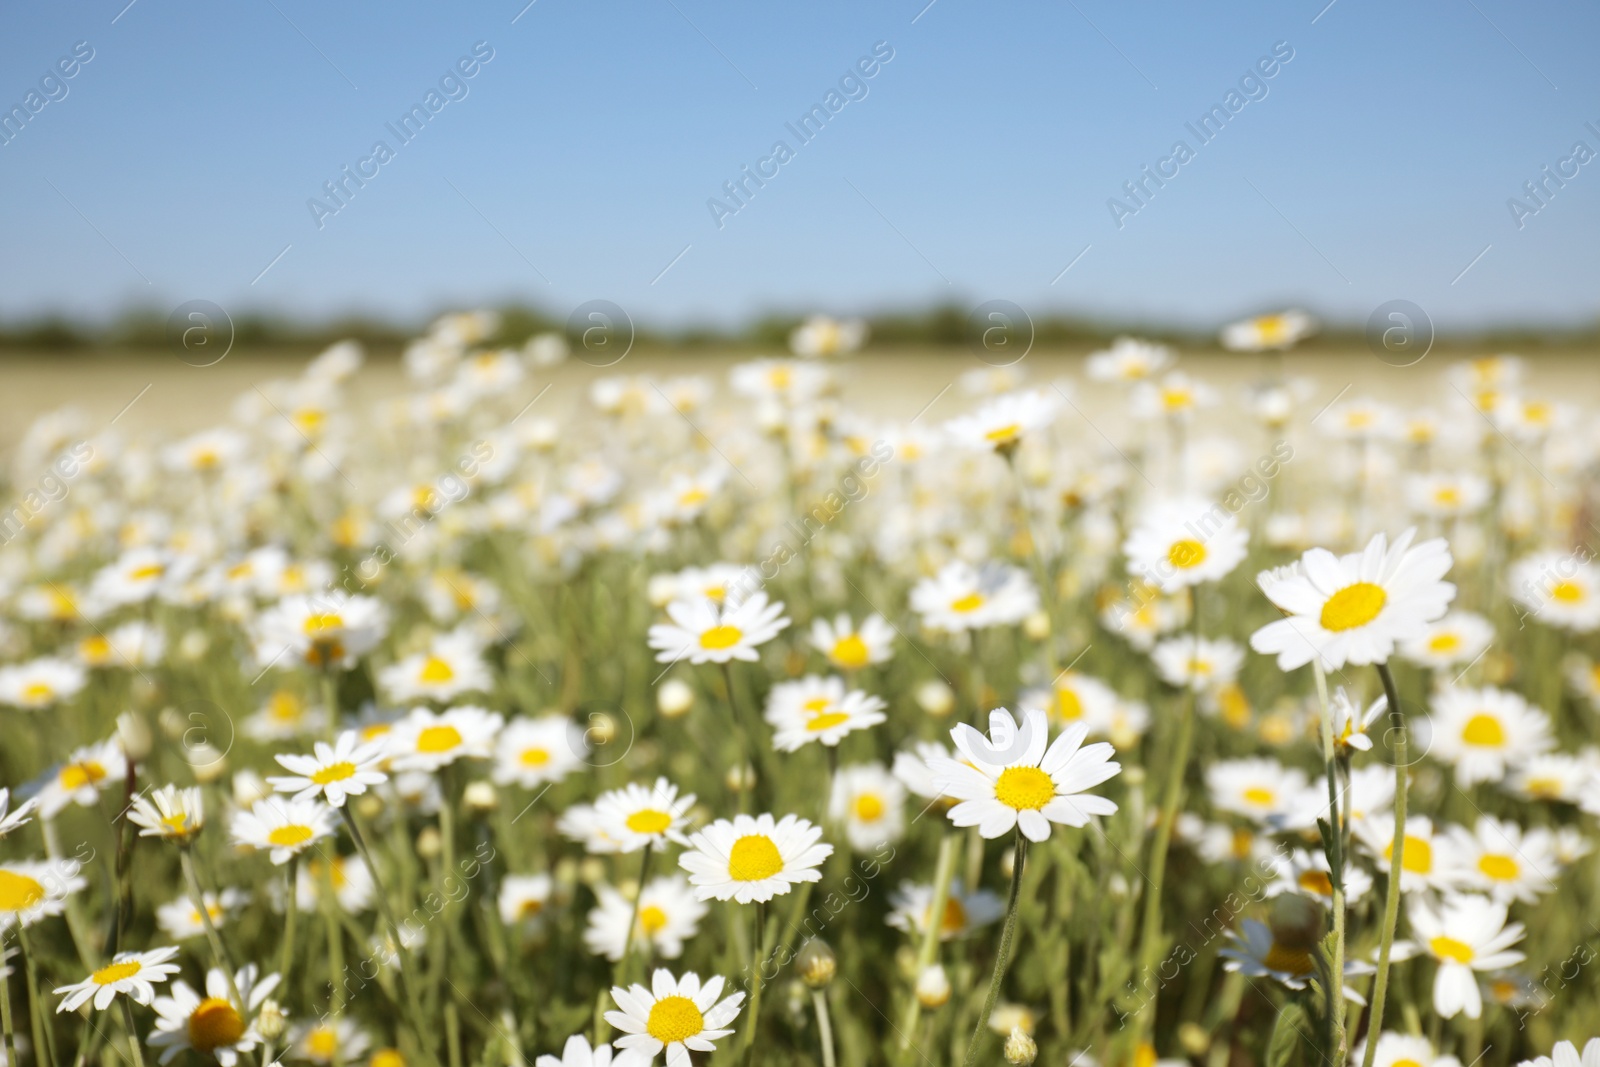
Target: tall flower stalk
{"type": "Point", "coordinates": [1391, 896]}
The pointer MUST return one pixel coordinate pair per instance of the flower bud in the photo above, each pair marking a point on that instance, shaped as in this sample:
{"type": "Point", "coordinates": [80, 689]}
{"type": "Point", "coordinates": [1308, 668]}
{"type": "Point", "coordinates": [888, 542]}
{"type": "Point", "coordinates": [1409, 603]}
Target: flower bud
{"type": "Point", "coordinates": [816, 964]}
{"type": "Point", "coordinates": [429, 843]}
{"type": "Point", "coordinates": [272, 1020]}
{"type": "Point", "coordinates": [933, 987]}
{"type": "Point", "coordinates": [1036, 626]}
{"type": "Point", "coordinates": [134, 734]}
{"type": "Point", "coordinates": [480, 796]}
{"type": "Point", "coordinates": [935, 698]}
{"type": "Point", "coordinates": [1020, 1048]}
{"type": "Point", "coordinates": [741, 777]}
{"type": "Point", "coordinates": [674, 698]}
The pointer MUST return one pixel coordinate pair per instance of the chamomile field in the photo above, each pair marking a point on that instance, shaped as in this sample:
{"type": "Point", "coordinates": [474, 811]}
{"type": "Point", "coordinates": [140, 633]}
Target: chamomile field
{"type": "Point", "coordinates": [499, 704]}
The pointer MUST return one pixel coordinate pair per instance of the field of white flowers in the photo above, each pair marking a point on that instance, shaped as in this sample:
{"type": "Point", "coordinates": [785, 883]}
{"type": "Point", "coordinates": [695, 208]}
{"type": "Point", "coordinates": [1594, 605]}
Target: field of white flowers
{"type": "Point", "coordinates": [712, 720]}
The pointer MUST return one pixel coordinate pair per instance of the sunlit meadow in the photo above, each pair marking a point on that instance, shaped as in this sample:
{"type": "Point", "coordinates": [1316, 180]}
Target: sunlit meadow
{"type": "Point", "coordinates": [714, 721]}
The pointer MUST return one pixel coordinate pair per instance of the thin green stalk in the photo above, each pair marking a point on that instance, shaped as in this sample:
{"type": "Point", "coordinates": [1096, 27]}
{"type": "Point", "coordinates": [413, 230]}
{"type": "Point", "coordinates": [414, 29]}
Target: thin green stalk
{"type": "Point", "coordinates": [330, 904]}
{"type": "Point", "coordinates": [1007, 934]}
{"type": "Point", "coordinates": [291, 912]}
{"type": "Point", "coordinates": [1391, 898]}
{"type": "Point", "coordinates": [824, 1027]}
{"type": "Point", "coordinates": [752, 1023]}
{"type": "Point", "coordinates": [746, 755]}
{"type": "Point", "coordinates": [619, 974]}
{"type": "Point", "coordinates": [5, 1008]}
{"type": "Point", "coordinates": [1335, 993]}
{"type": "Point", "coordinates": [136, 1054]}
{"type": "Point", "coordinates": [219, 951]}
{"type": "Point", "coordinates": [943, 872]}
{"type": "Point", "coordinates": [44, 1044]}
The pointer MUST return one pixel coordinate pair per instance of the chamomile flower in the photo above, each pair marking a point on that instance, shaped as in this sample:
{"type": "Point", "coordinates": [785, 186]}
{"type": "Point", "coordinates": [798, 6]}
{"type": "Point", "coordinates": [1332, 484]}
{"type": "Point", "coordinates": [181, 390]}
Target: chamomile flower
{"type": "Point", "coordinates": [636, 815]}
{"type": "Point", "coordinates": [330, 1040]}
{"type": "Point", "coordinates": [1403, 1050]}
{"type": "Point", "coordinates": [675, 1015]}
{"type": "Point", "coordinates": [350, 877]}
{"type": "Point", "coordinates": [1182, 543]}
{"type": "Point", "coordinates": [814, 708]}
{"type": "Point", "coordinates": [532, 752]}
{"type": "Point", "coordinates": [1175, 396]}
{"type": "Point", "coordinates": [1259, 788]}
{"type": "Point", "coordinates": [964, 912]}
{"type": "Point", "coordinates": [169, 812]}
{"type": "Point", "coordinates": [31, 890]}
{"type": "Point", "coordinates": [1459, 637]}
{"type": "Point", "coordinates": [1194, 662]}
{"type": "Point", "coordinates": [80, 780]}
{"type": "Point", "coordinates": [1447, 495]}
{"type": "Point", "coordinates": [1017, 778]}
{"type": "Point", "coordinates": [425, 740]}
{"type": "Point", "coordinates": [283, 826]}
{"type": "Point", "coordinates": [753, 858]}
{"type": "Point", "coordinates": [1427, 861]}
{"type": "Point", "coordinates": [1128, 360]}
{"type": "Point", "coordinates": [285, 715]}
{"type": "Point", "coordinates": [452, 665]}
{"type": "Point", "coordinates": [1557, 776]}
{"type": "Point", "coordinates": [40, 683]}
{"type": "Point", "coordinates": [703, 632]}
{"type": "Point", "coordinates": [306, 631]}
{"type": "Point", "coordinates": [1560, 589]}
{"type": "Point", "coordinates": [524, 898]}
{"type": "Point", "coordinates": [1354, 608]}
{"type": "Point", "coordinates": [1002, 423]}
{"type": "Point", "coordinates": [1308, 873]}
{"type": "Point", "coordinates": [869, 803]}
{"type": "Point", "coordinates": [1279, 330]}
{"type": "Point", "coordinates": [212, 1024]}
{"type": "Point", "coordinates": [180, 920]}
{"type": "Point", "coordinates": [850, 647]}
{"type": "Point", "coordinates": [134, 974]}
{"type": "Point", "coordinates": [963, 597]}
{"type": "Point", "coordinates": [1075, 697]}
{"type": "Point", "coordinates": [14, 818]}
{"type": "Point", "coordinates": [1351, 723]}
{"type": "Point", "coordinates": [669, 914]}
{"type": "Point", "coordinates": [1463, 934]}
{"type": "Point", "coordinates": [821, 336]}
{"type": "Point", "coordinates": [912, 769]}
{"type": "Point", "coordinates": [1482, 732]}
{"type": "Point", "coordinates": [577, 1053]}
{"type": "Point", "coordinates": [1500, 858]}
{"type": "Point", "coordinates": [346, 768]}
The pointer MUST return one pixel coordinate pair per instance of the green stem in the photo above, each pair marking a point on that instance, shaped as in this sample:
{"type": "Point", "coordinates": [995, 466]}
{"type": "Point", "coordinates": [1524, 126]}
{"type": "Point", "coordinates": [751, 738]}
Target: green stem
{"type": "Point", "coordinates": [1391, 898]}
{"type": "Point", "coordinates": [819, 1001]}
{"type": "Point", "coordinates": [136, 1054]}
{"type": "Point", "coordinates": [219, 951]}
{"type": "Point", "coordinates": [943, 871]}
{"type": "Point", "coordinates": [1335, 991]}
{"type": "Point", "coordinates": [754, 1018]}
{"type": "Point", "coordinates": [291, 913]}
{"type": "Point", "coordinates": [5, 1008]}
{"type": "Point", "coordinates": [1006, 936]}
{"type": "Point", "coordinates": [44, 1045]}
{"type": "Point", "coordinates": [330, 904]}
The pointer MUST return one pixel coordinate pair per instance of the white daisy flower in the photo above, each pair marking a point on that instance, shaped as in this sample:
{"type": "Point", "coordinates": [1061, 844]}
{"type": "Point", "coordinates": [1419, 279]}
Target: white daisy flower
{"type": "Point", "coordinates": [1182, 543]}
{"type": "Point", "coordinates": [425, 740]}
{"type": "Point", "coordinates": [1351, 723]}
{"type": "Point", "coordinates": [12, 819]}
{"type": "Point", "coordinates": [705, 633]}
{"type": "Point", "coordinates": [343, 769]}
{"type": "Point", "coordinates": [1565, 1054]}
{"type": "Point", "coordinates": [80, 780]}
{"type": "Point", "coordinates": [212, 1024]}
{"type": "Point", "coordinates": [1201, 663]}
{"type": "Point", "coordinates": [581, 823]}
{"type": "Point", "coordinates": [329, 1040]}
{"type": "Point", "coordinates": [353, 885]}
{"type": "Point", "coordinates": [1463, 934]}
{"type": "Point", "coordinates": [1500, 858]}
{"type": "Point", "coordinates": [815, 708]}
{"type": "Point", "coordinates": [1176, 396]}
{"type": "Point", "coordinates": [1002, 423]}
{"type": "Point", "coordinates": [1447, 495]}
{"type": "Point", "coordinates": [676, 1015]}
{"type": "Point", "coordinates": [1128, 360]}
{"type": "Point", "coordinates": [1259, 788]}
{"type": "Point", "coordinates": [669, 914]}
{"type": "Point", "coordinates": [636, 815]}
{"type": "Point", "coordinates": [1403, 1050]}
{"type": "Point", "coordinates": [283, 826]}
{"type": "Point", "coordinates": [40, 683]}
{"type": "Point", "coordinates": [1010, 779]}
{"type": "Point", "coordinates": [180, 920]}
{"type": "Point", "coordinates": [821, 336]}
{"type": "Point", "coordinates": [1354, 608]}
{"type": "Point", "coordinates": [1074, 697]}
{"type": "Point", "coordinates": [1483, 731]}
{"type": "Point", "coordinates": [753, 858]}
{"type": "Point", "coordinates": [524, 898]}
{"type": "Point", "coordinates": [132, 973]}
{"type": "Point", "coordinates": [1256, 952]}
{"type": "Point", "coordinates": [1560, 589]}
{"type": "Point", "coordinates": [850, 647]}
{"type": "Point", "coordinates": [1308, 873]}
{"type": "Point", "coordinates": [869, 803]}
{"type": "Point", "coordinates": [1557, 776]}
{"type": "Point", "coordinates": [283, 716]}
{"type": "Point", "coordinates": [577, 1053]}
{"type": "Point", "coordinates": [963, 597]}
{"type": "Point", "coordinates": [531, 752]}
{"type": "Point", "coordinates": [912, 909]}
{"type": "Point", "coordinates": [1428, 861]}
{"type": "Point", "coordinates": [1279, 330]}
{"type": "Point", "coordinates": [136, 576]}
{"type": "Point", "coordinates": [453, 665]}
{"type": "Point", "coordinates": [912, 769]}
{"type": "Point", "coordinates": [169, 812]}
{"type": "Point", "coordinates": [780, 379]}
{"type": "Point", "coordinates": [31, 890]}
{"type": "Point", "coordinates": [1459, 637]}
{"type": "Point", "coordinates": [308, 631]}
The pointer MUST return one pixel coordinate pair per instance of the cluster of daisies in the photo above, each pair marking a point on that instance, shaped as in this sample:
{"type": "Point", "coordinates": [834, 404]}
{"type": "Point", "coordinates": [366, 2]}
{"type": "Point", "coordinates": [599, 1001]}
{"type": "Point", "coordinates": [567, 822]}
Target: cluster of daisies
{"type": "Point", "coordinates": [465, 729]}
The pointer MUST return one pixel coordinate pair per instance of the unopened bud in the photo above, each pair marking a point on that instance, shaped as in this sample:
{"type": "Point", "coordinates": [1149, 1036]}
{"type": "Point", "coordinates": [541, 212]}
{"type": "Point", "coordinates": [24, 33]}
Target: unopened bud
{"type": "Point", "coordinates": [935, 698]}
{"type": "Point", "coordinates": [1020, 1048]}
{"type": "Point", "coordinates": [933, 987]}
{"type": "Point", "coordinates": [741, 777]}
{"type": "Point", "coordinates": [816, 963]}
{"type": "Point", "coordinates": [1036, 626]}
{"type": "Point", "coordinates": [1194, 1039]}
{"type": "Point", "coordinates": [272, 1020]}
{"type": "Point", "coordinates": [480, 796]}
{"type": "Point", "coordinates": [249, 787]}
{"type": "Point", "coordinates": [1297, 922]}
{"type": "Point", "coordinates": [429, 843]}
{"type": "Point", "coordinates": [369, 806]}
{"type": "Point", "coordinates": [674, 698]}
{"type": "Point", "coordinates": [134, 734]}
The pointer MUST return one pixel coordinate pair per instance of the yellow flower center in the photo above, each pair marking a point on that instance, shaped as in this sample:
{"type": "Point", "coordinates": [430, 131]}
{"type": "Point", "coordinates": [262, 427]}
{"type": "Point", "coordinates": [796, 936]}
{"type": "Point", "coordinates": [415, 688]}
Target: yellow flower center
{"type": "Point", "coordinates": [954, 919]}
{"type": "Point", "coordinates": [322, 1042]}
{"type": "Point", "coordinates": [850, 652]}
{"type": "Point", "coordinates": [78, 775]}
{"type": "Point", "coordinates": [673, 1019]}
{"type": "Point", "coordinates": [1418, 858]}
{"type": "Point", "coordinates": [719, 637]}
{"type": "Point", "coordinates": [1484, 730]}
{"type": "Point", "coordinates": [1287, 960]}
{"type": "Point", "coordinates": [96, 649]}
{"type": "Point", "coordinates": [1500, 868]}
{"type": "Point", "coordinates": [177, 823]}
{"type": "Point", "coordinates": [37, 692]}
{"type": "Point", "coordinates": [1068, 707]}
{"type": "Point", "coordinates": [145, 573]}
{"type": "Point", "coordinates": [970, 602]}
{"type": "Point", "coordinates": [1543, 788]}
{"type": "Point", "coordinates": [213, 1024]}
{"type": "Point", "coordinates": [1186, 553]}
{"type": "Point", "coordinates": [387, 1057]}
{"type": "Point", "coordinates": [826, 721]}
{"type": "Point", "coordinates": [289, 836]}
{"type": "Point", "coordinates": [1405, 1063]}
{"type": "Point", "coordinates": [334, 772]}
{"type": "Point", "coordinates": [691, 497]}
{"type": "Point", "coordinates": [316, 624]}
{"type": "Point", "coordinates": [1243, 841]}
{"type": "Point", "coordinates": [1260, 797]}
{"type": "Point", "coordinates": [530, 907]}
{"type": "Point", "coordinates": [1002, 435]}
{"type": "Point", "coordinates": [1448, 948]}
{"type": "Point", "coordinates": [438, 739]}
{"type": "Point", "coordinates": [535, 757]}
{"type": "Point", "coordinates": [436, 670]}
{"type": "Point", "coordinates": [18, 892]}
{"type": "Point", "coordinates": [652, 919]}
{"type": "Point", "coordinates": [1567, 592]}
{"type": "Point", "coordinates": [1353, 606]}
{"type": "Point", "coordinates": [1024, 788]}
{"type": "Point", "coordinates": [649, 821]}
{"type": "Point", "coordinates": [284, 707]}
{"type": "Point", "coordinates": [752, 858]}
{"type": "Point", "coordinates": [869, 807]}
{"type": "Point", "coordinates": [1445, 642]}
{"type": "Point", "coordinates": [1271, 328]}
{"type": "Point", "coordinates": [116, 972]}
{"type": "Point", "coordinates": [1317, 882]}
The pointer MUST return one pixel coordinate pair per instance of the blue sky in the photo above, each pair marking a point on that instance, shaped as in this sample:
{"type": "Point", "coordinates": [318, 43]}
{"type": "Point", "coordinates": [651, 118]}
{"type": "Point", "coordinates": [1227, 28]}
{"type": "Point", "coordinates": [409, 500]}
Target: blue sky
{"type": "Point", "coordinates": [977, 165]}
